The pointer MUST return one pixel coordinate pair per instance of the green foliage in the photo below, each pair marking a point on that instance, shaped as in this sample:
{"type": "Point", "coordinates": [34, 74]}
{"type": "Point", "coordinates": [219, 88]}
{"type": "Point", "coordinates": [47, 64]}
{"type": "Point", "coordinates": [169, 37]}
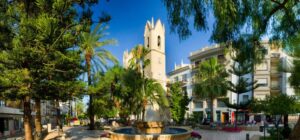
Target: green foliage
{"type": "Point", "coordinates": [179, 102]}
{"type": "Point", "coordinates": [82, 116]}
{"type": "Point", "coordinates": [104, 107]}
{"type": "Point", "coordinates": [92, 46]}
{"type": "Point", "coordinates": [211, 81]}
{"type": "Point", "coordinates": [148, 90]}
{"type": "Point", "coordinates": [139, 61]}
{"type": "Point", "coordinates": [232, 17]}
{"type": "Point", "coordinates": [196, 117]}
{"type": "Point", "coordinates": [276, 105]}
{"type": "Point", "coordinates": [80, 107]}
{"type": "Point", "coordinates": [275, 134]}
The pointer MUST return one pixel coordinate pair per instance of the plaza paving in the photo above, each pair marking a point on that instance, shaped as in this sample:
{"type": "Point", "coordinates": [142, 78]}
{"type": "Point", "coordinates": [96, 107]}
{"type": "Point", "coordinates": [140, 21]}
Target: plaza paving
{"type": "Point", "coordinates": [221, 135]}
{"type": "Point", "coordinates": [81, 133]}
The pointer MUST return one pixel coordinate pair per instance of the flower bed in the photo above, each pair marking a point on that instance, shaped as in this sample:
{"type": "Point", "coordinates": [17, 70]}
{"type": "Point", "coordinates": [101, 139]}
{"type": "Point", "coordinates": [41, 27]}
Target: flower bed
{"type": "Point", "coordinates": [232, 129]}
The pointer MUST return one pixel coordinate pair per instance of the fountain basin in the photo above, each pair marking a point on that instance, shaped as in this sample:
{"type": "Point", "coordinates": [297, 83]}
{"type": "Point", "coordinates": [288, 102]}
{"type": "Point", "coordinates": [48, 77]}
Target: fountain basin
{"type": "Point", "coordinates": [149, 127]}
{"type": "Point", "coordinates": [170, 133]}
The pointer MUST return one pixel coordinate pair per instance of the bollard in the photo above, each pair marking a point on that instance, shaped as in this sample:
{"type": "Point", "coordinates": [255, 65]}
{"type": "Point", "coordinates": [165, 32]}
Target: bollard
{"type": "Point", "coordinates": [247, 136]}
{"type": "Point", "coordinates": [49, 127]}
{"type": "Point", "coordinates": [63, 137]}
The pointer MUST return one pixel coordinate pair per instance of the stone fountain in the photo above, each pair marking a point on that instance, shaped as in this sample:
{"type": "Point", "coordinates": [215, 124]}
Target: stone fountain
{"type": "Point", "coordinates": [152, 129]}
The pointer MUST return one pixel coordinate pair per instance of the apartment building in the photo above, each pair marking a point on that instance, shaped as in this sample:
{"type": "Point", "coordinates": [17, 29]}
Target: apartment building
{"type": "Point", "coordinates": [11, 117]}
{"type": "Point", "coordinates": [269, 76]}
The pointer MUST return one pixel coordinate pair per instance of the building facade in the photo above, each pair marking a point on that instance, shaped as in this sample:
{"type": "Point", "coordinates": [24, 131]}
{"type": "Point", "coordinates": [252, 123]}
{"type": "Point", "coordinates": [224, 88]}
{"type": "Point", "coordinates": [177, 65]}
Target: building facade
{"type": "Point", "coordinates": [11, 117]}
{"type": "Point", "coordinates": [269, 77]}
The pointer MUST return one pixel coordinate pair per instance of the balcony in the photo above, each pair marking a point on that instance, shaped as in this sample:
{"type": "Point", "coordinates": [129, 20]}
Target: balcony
{"type": "Point", "coordinates": [10, 110]}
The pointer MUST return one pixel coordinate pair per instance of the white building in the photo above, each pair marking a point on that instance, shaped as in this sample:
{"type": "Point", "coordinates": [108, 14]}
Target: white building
{"type": "Point", "coordinates": [271, 81]}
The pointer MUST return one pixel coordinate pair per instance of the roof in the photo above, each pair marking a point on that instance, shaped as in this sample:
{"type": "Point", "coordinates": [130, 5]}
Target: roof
{"type": "Point", "coordinates": [206, 52]}
{"type": "Point", "coordinates": [179, 70]}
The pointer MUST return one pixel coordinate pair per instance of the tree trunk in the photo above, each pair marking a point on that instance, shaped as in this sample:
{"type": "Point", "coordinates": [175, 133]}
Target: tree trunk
{"type": "Point", "coordinates": [144, 110]}
{"type": "Point", "coordinates": [91, 109]}
{"type": "Point", "coordinates": [91, 113]}
{"type": "Point", "coordinates": [27, 118]}
{"type": "Point", "coordinates": [236, 111]}
{"type": "Point", "coordinates": [212, 110]}
{"type": "Point", "coordinates": [38, 125]}
{"type": "Point", "coordinates": [286, 120]}
{"type": "Point", "coordinates": [295, 135]}
{"type": "Point", "coordinates": [58, 120]}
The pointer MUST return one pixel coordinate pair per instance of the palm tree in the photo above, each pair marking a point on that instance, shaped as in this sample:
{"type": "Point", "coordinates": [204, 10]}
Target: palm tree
{"type": "Point", "coordinates": [151, 91]}
{"type": "Point", "coordinates": [139, 60]}
{"type": "Point", "coordinates": [210, 82]}
{"type": "Point", "coordinates": [95, 56]}
{"type": "Point", "coordinates": [154, 93]}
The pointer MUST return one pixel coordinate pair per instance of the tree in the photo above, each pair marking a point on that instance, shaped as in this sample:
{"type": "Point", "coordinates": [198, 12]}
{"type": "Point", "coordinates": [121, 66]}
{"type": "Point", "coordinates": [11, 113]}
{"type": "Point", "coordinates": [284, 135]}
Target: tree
{"type": "Point", "coordinates": [150, 90]}
{"type": "Point", "coordinates": [154, 93]}
{"type": "Point", "coordinates": [242, 67]}
{"type": "Point", "coordinates": [80, 107]}
{"type": "Point", "coordinates": [231, 18]}
{"type": "Point", "coordinates": [288, 105]}
{"type": "Point", "coordinates": [211, 82]}
{"type": "Point", "coordinates": [109, 87]}
{"type": "Point", "coordinates": [95, 56]}
{"type": "Point", "coordinates": [178, 102]}
{"type": "Point", "coordinates": [294, 49]}
{"type": "Point", "coordinates": [37, 54]}
{"type": "Point", "coordinates": [276, 19]}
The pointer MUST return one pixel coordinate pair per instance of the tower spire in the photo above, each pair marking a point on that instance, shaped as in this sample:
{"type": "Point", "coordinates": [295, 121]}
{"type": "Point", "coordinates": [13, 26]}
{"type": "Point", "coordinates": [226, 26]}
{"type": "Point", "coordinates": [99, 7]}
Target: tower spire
{"type": "Point", "coordinates": [152, 22]}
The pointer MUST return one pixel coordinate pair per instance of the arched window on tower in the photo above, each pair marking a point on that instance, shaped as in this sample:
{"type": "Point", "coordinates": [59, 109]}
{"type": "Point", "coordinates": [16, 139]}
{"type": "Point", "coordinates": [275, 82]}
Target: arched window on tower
{"type": "Point", "coordinates": [148, 42]}
{"type": "Point", "coordinates": [158, 41]}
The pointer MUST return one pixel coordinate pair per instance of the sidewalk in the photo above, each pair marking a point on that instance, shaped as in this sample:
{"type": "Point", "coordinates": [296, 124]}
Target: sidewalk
{"type": "Point", "coordinates": [53, 135]}
{"type": "Point", "coordinates": [50, 136]}
{"type": "Point", "coordinates": [17, 136]}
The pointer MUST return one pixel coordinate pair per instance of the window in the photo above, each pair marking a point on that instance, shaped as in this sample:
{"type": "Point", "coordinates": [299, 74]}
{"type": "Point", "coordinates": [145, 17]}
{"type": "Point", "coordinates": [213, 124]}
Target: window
{"type": "Point", "coordinates": [184, 77]}
{"type": "Point", "coordinates": [6, 124]}
{"type": "Point", "coordinates": [197, 63]}
{"type": "Point", "coordinates": [148, 42]}
{"type": "Point", "coordinates": [221, 56]}
{"type": "Point", "coordinates": [275, 84]}
{"type": "Point", "coordinates": [262, 66]}
{"type": "Point", "coordinates": [184, 90]}
{"type": "Point", "coordinates": [218, 115]}
{"type": "Point", "coordinates": [245, 98]}
{"type": "Point", "coordinates": [208, 102]}
{"type": "Point", "coordinates": [2, 103]}
{"type": "Point", "coordinates": [220, 103]}
{"type": "Point", "coordinates": [158, 41]}
{"type": "Point", "coordinates": [176, 79]}
{"type": "Point", "coordinates": [262, 82]}
{"type": "Point", "coordinates": [198, 104]}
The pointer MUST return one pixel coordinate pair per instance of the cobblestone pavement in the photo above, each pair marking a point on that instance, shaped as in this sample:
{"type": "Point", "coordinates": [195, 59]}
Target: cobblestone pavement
{"type": "Point", "coordinates": [221, 135]}
{"type": "Point", "coordinates": [81, 133]}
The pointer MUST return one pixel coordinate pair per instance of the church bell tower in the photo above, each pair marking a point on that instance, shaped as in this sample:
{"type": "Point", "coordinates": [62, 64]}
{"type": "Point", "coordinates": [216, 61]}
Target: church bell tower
{"type": "Point", "coordinates": [154, 40]}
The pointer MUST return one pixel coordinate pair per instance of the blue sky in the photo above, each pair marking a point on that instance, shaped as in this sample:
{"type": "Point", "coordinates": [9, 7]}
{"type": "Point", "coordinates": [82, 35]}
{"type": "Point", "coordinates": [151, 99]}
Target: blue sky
{"type": "Point", "coordinates": [127, 27]}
